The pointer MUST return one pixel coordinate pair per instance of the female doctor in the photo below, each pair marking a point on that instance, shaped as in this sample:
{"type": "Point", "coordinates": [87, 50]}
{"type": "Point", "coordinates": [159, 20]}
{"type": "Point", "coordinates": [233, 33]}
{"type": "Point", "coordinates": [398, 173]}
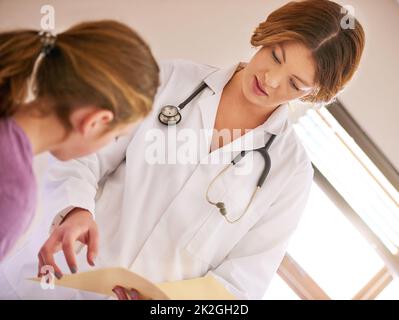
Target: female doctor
{"type": "Point", "coordinates": [169, 219]}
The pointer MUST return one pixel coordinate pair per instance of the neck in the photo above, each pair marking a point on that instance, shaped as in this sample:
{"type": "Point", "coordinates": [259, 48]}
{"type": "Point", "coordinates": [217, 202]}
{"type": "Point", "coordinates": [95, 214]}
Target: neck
{"type": "Point", "coordinates": [43, 132]}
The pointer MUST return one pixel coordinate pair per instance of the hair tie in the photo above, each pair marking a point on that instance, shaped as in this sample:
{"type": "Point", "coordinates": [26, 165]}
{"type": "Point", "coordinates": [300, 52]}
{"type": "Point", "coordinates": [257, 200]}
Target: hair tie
{"type": "Point", "coordinates": [48, 41]}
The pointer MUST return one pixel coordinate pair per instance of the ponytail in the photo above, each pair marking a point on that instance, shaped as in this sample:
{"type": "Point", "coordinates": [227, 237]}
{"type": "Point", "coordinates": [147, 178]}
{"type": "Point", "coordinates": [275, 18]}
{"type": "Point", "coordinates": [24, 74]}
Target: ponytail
{"type": "Point", "coordinates": [102, 63]}
{"type": "Point", "coordinates": [18, 53]}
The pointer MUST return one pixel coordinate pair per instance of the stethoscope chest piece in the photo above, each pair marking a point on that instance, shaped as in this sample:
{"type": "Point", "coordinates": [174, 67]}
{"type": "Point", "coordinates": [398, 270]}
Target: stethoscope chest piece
{"type": "Point", "coordinates": [169, 115]}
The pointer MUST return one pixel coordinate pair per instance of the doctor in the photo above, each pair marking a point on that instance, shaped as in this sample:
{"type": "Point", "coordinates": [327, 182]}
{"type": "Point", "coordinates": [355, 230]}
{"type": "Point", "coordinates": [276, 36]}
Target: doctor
{"type": "Point", "coordinates": [170, 219]}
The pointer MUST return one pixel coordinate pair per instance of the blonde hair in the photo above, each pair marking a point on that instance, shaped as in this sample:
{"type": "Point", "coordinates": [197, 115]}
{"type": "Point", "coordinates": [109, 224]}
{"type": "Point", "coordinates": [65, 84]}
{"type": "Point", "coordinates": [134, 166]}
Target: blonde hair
{"type": "Point", "coordinates": [102, 63]}
{"type": "Point", "coordinates": [317, 24]}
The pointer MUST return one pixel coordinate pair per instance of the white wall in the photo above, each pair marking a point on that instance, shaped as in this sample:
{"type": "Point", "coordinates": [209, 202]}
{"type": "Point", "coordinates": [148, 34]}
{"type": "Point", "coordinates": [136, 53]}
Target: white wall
{"type": "Point", "coordinates": [218, 33]}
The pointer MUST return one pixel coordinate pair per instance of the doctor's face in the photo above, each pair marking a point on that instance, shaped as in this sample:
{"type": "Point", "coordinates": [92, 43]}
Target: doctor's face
{"type": "Point", "coordinates": [278, 74]}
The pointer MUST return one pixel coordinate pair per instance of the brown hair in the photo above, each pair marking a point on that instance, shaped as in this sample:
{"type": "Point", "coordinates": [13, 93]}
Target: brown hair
{"type": "Point", "coordinates": [103, 63]}
{"type": "Point", "coordinates": [317, 24]}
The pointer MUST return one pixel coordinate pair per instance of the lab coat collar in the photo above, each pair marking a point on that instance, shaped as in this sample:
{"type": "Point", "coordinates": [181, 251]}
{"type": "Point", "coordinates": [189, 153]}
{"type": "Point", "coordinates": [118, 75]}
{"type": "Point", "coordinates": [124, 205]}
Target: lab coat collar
{"type": "Point", "coordinates": [277, 121]}
{"type": "Point", "coordinates": [217, 80]}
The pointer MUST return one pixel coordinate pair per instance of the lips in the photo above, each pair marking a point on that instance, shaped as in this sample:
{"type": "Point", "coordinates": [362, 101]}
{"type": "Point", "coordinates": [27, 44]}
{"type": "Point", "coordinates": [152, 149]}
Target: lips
{"type": "Point", "coordinates": [259, 90]}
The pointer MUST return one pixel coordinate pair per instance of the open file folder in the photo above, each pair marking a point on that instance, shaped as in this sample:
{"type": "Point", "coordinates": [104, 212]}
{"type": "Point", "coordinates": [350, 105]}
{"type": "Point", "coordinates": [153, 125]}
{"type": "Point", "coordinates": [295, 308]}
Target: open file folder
{"type": "Point", "coordinates": [102, 281]}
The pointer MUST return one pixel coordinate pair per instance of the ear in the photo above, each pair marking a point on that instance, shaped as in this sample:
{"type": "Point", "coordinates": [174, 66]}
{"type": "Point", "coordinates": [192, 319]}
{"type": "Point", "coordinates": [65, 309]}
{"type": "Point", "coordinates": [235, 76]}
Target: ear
{"type": "Point", "coordinates": [91, 121]}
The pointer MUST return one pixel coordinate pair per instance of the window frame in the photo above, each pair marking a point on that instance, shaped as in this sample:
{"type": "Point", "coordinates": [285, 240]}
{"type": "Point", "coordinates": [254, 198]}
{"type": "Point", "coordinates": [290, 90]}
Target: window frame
{"type": "Point", "coordinates": [290, 270]}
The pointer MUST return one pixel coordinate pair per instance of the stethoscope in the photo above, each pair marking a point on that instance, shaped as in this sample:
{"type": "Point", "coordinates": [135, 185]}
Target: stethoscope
{"type": "Point", "coordinates": [171, 115]}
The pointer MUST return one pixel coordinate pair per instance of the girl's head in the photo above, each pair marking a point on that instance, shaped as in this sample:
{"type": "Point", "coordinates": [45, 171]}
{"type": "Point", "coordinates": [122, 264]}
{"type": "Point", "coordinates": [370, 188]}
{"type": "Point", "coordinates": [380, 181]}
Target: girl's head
{"type": "Point", "coordinates": [307, 52]}
{"type": "Point", "coordinates": [97, 80]}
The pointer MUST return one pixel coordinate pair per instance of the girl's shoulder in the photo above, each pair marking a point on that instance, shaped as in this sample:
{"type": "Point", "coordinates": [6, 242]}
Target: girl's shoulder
{"type": "Point", "coordinates": [14, 143]}
{"type": "Point", "coordinates": [17, 184]}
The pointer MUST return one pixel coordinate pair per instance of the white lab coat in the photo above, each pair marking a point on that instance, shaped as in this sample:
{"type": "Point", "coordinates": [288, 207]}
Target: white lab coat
{"type": "Point", "coordinates": [154, 218]}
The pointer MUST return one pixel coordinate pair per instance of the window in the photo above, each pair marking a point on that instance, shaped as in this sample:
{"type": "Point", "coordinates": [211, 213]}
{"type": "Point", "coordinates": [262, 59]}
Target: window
{"type": "Point", "coordinates": [330, 249]}
{"type": "Point", "coordinates": [346, 246]}
{"type": "Point", "coordinates": [391, 292]}
{"type": "Point", "coordinates": [352, 174]}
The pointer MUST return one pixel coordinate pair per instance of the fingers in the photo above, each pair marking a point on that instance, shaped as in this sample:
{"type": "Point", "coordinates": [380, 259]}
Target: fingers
{"type": "Point", "coordinates": [120, 293]}
{"type": "Point", "coordinates": [69, 252]}
{"type": "Point", "coordinates": [40, 266]}
{"type": "Point", "coordinates": [133, 294]}
{"type": "Point", "coordinates": [78, 227]}
{"type": "Point", "coordinates": [46, 258]}
{"type": "Point", "coordinates": [125, 294]}
{"type": "Point", "coordinates": [92, 246]}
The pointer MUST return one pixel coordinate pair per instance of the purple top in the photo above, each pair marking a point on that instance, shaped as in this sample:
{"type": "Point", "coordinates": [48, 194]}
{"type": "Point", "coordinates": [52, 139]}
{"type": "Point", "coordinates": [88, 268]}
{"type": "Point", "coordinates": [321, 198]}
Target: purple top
{"type": "Point", "coordinates": [17, 184]}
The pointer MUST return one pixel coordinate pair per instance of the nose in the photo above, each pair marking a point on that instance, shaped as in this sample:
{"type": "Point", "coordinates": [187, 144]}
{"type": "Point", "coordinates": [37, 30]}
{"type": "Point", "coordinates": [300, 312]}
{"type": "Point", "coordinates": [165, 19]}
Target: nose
{"type": "Point", "coordinates": [272, 80]}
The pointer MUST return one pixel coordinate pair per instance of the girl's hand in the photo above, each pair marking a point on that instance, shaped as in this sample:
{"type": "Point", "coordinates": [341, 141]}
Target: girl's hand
{"type": "Point", "coordinates": [78, 225]}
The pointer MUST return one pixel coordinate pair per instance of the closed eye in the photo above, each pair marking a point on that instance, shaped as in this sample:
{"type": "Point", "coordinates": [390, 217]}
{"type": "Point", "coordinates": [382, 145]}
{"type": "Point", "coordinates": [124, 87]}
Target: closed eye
{"type": "Point", "coordinates": [294, 86]}
{"type": "Point", "coordinates": [275, 58]}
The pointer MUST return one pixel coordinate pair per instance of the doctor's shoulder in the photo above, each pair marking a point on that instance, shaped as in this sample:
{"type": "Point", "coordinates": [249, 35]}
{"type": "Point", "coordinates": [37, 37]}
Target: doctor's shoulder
{"type": "Point", "coordinates": [178, 78]}
{"type": "Point", "coordinates": [294, 153]}
{"type": "Point", "coordinates": [183, 70]}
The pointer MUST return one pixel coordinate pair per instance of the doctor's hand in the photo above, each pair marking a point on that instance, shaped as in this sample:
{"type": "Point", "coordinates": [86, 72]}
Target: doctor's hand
{"type": "Point", "coordinates": [123, 293]}
{"type": "Point", "coordinates": [78, 225]}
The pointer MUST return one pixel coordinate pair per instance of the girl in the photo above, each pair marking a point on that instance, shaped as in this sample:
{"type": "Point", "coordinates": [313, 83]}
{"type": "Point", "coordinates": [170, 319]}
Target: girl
{"type": "Point", "coordinates": [85, 87]}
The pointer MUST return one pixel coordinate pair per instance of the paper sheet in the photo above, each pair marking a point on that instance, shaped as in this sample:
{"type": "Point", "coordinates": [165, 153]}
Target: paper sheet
{"type": "Point", "coordinates": [205, 288]}
{"type": "Point", "coordinates": [102, 281]}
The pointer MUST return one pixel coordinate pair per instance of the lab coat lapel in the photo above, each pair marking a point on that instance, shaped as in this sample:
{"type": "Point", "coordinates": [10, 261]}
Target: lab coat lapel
{"type": "Point", "coordinates": [209, 105]}
{"type": "Point", "coordinates": [208, 108]}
